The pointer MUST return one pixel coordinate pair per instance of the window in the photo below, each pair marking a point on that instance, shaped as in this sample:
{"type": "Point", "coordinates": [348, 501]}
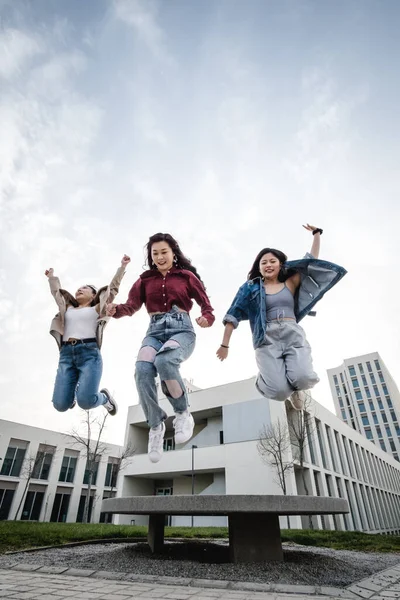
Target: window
{"type": "Point", "coordinates": [361, 368]}
{"type": "Point", "coordinates": [221, 437]}
{"type": "Point", "coordinates": [91, 470]}
{"type": "Point", "coordinates": [112, 473]}
{"type": "Point", "coordinates": [352, 371]}
{"type": "Point", "coordinates": [355, 382]}
{"type": "Point", "coordinates": [328, 435]}
{"type": "Point", "coordinates": [365, 420]}
{"type": "Point", "coordinates": [68, 467]}
{"type": "Point", "coordinates": [382, 443]}
{"type": "Point", "coordinates": [6, 498]}
{"type": "Point", "coordinates": [371, 406]}
{"type": "Point", "coordinates": [384, 417]}
{"type": "Point", "coordinates": [388, 432]}
{"type": "Point", "coordinates": [32, 506]}
{"type": "Point", "coordinates": [321, 443]}
{"type": "Point", "coordinates": [81, 508]}
{"type": "Point", "coordinates": [389, 402]}
{"type": "Point", "coordinates": [375, 418]}
{"type": "Point", "coordinates": [369, 367]}
{"type": "Point", "coordinates": [310, 441]}
{"type": "Point", "coordinates": [377, 364]}
{"type": "Point", "coordinates": [341, 377]}
{"type": "Point", "coordinates": [361, 407]}
{"type": "Point", "coordinates": [376, 391]}
{"type": "Point", "coordinates": [60, 508]}
{"type": "Point", "coordinates": [338, 392]}
{"type": "Point", "coordinates": [43, 462]}
{"type": "Point", "coordinates": [397, 430]}
{"type": "Point", "coordinates": [368, 434]}
{"type": "Point", "coordinates": [340, 403]}
{"type": "Point", "coordinates": [393, 415]}
{"type": "Point", "coordinates": [345, 389]}
{"type": "Point", "coordinates": [335, 380]}
{"type": "Point", "coordinates": [385, 390]}
{"type": "Point", "coordinates": [381, 377]}
{"type": "Point", "coordinates": [343, 415]}
{"type": "Point", "coordinates": [373, 378]}
{"type": "Point", "coordinates": [380, 404]}
{"type": "Point", "coordinates": [13, 460]}
{"type": "Point", "coordinates": [169, 444]}
{"type": "Point", "coordinates": [392, 445]}
{"type": "Point", "coordinates": [396, 456]}
{"type": "Point", "coordinates": [358, 395]}
{"type": "Point", "coordinates": [379, 432]}
{"type": "Point", "coordinates": [367, 392]}
{"type": "Point", "coordinates": [364, 379]}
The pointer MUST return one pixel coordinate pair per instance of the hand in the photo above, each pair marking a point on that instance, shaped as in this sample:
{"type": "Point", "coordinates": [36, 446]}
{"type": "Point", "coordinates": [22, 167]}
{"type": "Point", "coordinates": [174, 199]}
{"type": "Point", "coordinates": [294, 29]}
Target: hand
{"type": "Point", "coordinates": [125, 260]}
{"type": "Point", "coordinates": [310, 227]}
{"type": "Point", "coordinates": [111, 310]}
{"type": "Point", "coordinates": [49, 272]}
{"type": "Point", "coordinates": [202, 322]}
{"type": "Point", "coordinates": [222, 353]}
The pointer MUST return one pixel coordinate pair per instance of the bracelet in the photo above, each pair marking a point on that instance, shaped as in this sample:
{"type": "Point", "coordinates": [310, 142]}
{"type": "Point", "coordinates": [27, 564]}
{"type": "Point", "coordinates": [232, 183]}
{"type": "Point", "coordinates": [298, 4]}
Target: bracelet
{"type": "Point", "coordinates": [222, 346]}
{"type": "Point", "coordinates": [320, 231]}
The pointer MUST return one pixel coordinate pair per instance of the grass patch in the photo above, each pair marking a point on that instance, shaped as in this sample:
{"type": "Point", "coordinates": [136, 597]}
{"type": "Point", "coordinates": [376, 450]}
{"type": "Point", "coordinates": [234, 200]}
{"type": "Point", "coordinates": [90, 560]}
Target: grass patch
{"type": "Point", "coordinates": [18, 535]}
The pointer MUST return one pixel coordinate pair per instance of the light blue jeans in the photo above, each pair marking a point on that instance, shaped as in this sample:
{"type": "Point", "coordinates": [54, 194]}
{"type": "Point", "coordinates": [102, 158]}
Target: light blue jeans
{"type": "Point", "coordinates": [78, 375]}
{"type": "Point", "coordinates": [172, 338]}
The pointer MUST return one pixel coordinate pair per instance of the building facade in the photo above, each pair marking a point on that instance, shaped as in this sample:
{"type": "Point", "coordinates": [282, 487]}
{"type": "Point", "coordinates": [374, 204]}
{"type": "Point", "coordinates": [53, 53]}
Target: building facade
{"type": "Point", "coordinates": [222, 458]}
{"type": "Point", "coordinates": [366, 397]}
{"type": "Point", "coordinates": [43, 476]}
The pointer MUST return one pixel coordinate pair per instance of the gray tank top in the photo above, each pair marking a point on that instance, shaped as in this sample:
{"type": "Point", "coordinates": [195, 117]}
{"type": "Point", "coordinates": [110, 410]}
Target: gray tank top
{"type": "Point", "coordinates": [280, 305]}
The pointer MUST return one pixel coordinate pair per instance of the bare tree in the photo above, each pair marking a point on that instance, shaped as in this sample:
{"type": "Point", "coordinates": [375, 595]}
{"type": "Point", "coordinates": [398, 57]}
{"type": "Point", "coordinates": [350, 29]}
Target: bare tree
{"type": "Point", "coordinates": [93, 449]}
{"type": "Point", "coordinates": [119, 465]}
{"type": "Point", "coordinates": [31, 468]}
{"type": "Point", "coordinates": [274, 447]}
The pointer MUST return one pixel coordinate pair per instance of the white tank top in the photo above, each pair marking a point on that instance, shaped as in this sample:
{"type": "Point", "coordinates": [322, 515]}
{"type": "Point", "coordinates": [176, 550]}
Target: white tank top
{"type": "Point", "coordinates": [80, 323]}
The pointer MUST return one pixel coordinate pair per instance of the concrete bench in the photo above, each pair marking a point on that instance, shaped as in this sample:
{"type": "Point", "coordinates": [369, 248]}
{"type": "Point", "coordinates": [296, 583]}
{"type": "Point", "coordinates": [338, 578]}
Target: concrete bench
{"type": "Point", "coordinates": [254, 531]}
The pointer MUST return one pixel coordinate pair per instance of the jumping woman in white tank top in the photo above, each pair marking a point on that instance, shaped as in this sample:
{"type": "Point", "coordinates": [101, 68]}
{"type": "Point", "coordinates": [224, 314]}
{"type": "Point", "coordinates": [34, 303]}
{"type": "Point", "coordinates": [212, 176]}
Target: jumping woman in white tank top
{"type": "Point", "coordinates": [78, 330]}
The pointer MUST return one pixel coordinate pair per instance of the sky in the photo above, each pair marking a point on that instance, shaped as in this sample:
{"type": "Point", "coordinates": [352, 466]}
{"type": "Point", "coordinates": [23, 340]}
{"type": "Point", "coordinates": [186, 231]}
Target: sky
{"type": "Point", "coordinates": [227, 123]}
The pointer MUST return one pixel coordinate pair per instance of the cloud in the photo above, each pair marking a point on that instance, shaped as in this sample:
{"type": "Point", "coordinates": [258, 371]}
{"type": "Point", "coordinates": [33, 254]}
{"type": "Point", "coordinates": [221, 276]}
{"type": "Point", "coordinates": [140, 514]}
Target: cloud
{"type": "Point", "coordinates": [16, 49]}
{"type": "Point", "coordinates": [142, 16]}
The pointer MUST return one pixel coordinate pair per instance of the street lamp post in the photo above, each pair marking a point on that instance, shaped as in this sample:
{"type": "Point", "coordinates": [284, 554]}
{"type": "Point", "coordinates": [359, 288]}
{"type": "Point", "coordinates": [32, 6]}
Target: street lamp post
{"type": "Point", "coordinates": [193, 449]}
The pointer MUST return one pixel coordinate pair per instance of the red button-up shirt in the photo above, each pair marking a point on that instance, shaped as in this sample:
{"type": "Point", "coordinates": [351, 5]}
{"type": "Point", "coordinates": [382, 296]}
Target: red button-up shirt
{"type": "Point", "coordinates": [159, 293]}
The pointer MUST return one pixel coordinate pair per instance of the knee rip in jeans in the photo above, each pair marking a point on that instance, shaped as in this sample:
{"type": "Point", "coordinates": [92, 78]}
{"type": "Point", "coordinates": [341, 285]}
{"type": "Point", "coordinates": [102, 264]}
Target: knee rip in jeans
{"type": "Point", "coordinates": [171, 387]}
{"type": "Point", "coordinates": [147, 354]}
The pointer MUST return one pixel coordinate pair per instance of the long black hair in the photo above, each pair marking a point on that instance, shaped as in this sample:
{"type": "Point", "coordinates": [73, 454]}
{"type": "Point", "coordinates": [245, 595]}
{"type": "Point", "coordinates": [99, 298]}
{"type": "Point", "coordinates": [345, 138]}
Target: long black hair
{"type": "Point", "coordinates": [180, 261]}
{"type": "Point", "coordinates": [255, 269]}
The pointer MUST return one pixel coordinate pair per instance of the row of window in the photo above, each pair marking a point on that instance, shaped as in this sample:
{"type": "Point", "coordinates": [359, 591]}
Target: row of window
{"type": "Point", "coordinates": [39, 468]}
{"type": "Point", "coordinates": [33, 505]}
{"type": "Point", "coordinates": [349, 458]}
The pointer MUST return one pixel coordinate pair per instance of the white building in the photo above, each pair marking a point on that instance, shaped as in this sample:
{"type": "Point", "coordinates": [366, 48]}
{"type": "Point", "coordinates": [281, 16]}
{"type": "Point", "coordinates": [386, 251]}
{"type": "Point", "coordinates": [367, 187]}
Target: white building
{"type": "Point", "coordinates": [367, 398]}
{"type": "Point", "coordinates": [57, 487]}
{"type": "Point", "coordinates": [223, 458]}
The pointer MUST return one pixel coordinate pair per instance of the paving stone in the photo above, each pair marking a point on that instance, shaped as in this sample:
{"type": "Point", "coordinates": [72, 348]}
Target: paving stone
{"type": "Point", "coordinates": [336, 592]}
{"type": "Point", "coordinates": [108, 575]}
{"type": "Point", "coordinates": [53, 570]}
{"type": "Point", "coordinates": [26, 567]}
{"type": "Point", "coordinates": [360, 591]}
{"type": "Point", "coordinates": [250, 587]}
{"type": "Point", "coordinates": [80, 572]}
{"type": "Point", "coordinates": [210, 583]}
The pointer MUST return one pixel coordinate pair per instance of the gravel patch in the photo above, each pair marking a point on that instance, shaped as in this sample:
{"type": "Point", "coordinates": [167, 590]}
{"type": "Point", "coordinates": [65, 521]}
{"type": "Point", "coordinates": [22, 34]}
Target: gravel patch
{"type": "Point", "coordinates": [210, 560]}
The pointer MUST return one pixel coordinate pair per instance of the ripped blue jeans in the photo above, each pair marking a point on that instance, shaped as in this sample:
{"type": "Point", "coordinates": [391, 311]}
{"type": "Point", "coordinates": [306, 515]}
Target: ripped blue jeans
{"type": "Point", "coordinates": [170, 339]}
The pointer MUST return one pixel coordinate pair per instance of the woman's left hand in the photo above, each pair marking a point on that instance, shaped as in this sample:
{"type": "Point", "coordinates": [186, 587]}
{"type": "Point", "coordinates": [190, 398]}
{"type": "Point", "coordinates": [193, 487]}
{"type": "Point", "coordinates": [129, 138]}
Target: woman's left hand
{"type": "Point", "coordinates": [202, 322]}
{"type": "Point", "coordinates": [310, 227]}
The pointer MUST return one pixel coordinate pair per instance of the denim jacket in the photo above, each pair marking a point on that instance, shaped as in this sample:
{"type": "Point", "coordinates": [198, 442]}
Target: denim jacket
{"type": "Point", "coordinates": [317, 277]}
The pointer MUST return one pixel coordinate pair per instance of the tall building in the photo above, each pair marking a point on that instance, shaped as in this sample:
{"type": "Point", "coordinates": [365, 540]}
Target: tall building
{"type": "Point", "coordinates": [222, 458]}
{"type": "Point", "coordinates": [44, 476]}
{"type": "Point", "coordinates": [367, 398]}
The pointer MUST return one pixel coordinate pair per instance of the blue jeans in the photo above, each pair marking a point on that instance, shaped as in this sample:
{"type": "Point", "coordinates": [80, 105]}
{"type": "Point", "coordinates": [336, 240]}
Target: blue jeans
{"type": "Point", "coordinates": [78, 375]}
{"type": "Point", "coordinates": [172, 338]}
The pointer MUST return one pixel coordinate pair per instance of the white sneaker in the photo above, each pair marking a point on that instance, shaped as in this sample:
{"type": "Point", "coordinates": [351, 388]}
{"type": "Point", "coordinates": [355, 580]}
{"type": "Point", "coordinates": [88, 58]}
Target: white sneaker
{"type": "Point", "coordinates": [183, 425]}
{"type": "Point", "coordinates": [156, 441]}
{"type": "Point", "coordinates": [297, 400]}
{"type": "Point", "coordinates": [111, 406]}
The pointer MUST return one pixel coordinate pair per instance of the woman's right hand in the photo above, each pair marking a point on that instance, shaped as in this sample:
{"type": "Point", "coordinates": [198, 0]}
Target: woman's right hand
{"type": "Point", "coordinates": [222, 353]}
{"type": "Point", "coordinates": [111, 310]}
{"type": "Point", "coordinates": [49, 272]}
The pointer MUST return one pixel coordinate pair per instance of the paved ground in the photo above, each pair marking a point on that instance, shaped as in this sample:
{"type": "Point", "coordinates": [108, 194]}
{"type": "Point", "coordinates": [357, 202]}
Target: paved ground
{"type": "Point", "coordinates": [48, 583]}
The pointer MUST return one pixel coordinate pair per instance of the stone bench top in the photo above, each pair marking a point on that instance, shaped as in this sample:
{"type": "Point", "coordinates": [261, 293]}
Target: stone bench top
{"type": "Point", "coordinates": [225, 505]}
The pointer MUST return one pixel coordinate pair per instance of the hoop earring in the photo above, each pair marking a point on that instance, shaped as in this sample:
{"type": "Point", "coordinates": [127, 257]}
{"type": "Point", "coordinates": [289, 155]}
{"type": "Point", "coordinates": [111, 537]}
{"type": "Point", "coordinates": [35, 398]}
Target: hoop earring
{"type": "Point", "coordinates": [175, 261]}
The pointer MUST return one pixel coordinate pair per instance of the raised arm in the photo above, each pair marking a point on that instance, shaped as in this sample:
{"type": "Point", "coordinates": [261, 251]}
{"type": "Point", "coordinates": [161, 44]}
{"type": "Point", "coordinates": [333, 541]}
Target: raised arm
{"type": "Point", "coordinates": [116, 280]}
{"type": "Point", "coordinates": [316, 231]}
{"type": "Point", "coordinates": [133, 304]}
{"type": "Point", "coordinates": [54, 284]}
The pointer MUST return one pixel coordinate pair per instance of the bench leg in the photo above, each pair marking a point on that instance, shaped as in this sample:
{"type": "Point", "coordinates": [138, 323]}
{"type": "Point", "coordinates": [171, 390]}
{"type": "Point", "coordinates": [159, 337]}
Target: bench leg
{"type": "Point", "coordinates": [254, 538]}
{"type": "Point", "coordinates": [155, 533]}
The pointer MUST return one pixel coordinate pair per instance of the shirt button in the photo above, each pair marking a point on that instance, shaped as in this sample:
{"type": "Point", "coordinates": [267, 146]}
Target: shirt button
{"type": "Point", "coordinates": [165, 304]}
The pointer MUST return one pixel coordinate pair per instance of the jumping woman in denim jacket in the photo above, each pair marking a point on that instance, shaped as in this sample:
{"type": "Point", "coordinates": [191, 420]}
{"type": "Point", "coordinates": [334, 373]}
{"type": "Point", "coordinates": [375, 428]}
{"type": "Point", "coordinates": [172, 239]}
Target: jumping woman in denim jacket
{"type": "Point", "coordinates": [276, 296]}
{"type": "Point", "coordinates": [78, 330]}
{"type": "Point", "coordinates": [167, 290]}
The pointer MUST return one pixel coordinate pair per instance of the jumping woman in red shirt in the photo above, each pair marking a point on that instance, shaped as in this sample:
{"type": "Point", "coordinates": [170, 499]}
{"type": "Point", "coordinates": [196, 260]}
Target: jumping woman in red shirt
{"type": "Point", "coordinates": [167, 289]}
